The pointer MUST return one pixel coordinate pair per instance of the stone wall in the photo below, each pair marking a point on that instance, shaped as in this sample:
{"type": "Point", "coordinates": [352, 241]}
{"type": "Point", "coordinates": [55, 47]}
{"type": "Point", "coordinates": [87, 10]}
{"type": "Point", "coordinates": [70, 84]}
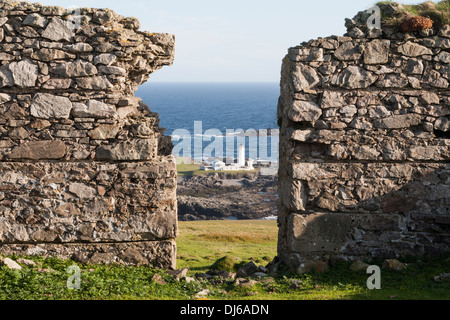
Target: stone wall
{"type": "Point", "coordinates": [85, 170]}
{"type": "Point", "coordinates": [364, 147]}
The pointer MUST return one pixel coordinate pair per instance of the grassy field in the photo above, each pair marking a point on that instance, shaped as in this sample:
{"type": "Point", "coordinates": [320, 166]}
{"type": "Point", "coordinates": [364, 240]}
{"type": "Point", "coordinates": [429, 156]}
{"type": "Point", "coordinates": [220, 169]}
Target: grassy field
{"type": "Point", "coordinates": [192, 169]}
{"type": "Point", "coordinates": [199, 245]}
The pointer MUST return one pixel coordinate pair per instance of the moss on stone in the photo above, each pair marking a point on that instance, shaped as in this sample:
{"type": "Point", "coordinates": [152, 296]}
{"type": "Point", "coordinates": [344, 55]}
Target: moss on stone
{"type": "Point", "coordinates": [227, 263]}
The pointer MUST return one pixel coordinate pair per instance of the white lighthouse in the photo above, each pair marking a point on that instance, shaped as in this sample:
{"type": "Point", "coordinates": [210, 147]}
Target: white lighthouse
{"type": "Point", "coordinates": [241, 157]}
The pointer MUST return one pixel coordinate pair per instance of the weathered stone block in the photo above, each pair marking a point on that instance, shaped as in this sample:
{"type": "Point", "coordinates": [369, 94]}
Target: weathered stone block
{"type": "Point", "coordinates": [321, 232]}
{"type": "Point", "coordinates": [377, 52]}
{"type": "Point", "coordinates": [354, 77]}
{"type": "Point", "coordinates": [39, 150]}
{"type": "Point", "coordinates": [304, 111]}
{"type": "Point", "coordinates": [304, 77]}
{"type": "Point", "coordinates": [48, 106]}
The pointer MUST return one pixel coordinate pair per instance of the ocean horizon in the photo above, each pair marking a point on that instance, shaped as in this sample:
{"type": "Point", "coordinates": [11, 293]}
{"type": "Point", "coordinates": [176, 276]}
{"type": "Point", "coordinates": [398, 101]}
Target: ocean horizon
{"type": "Point", "coordinates": [208, 111]}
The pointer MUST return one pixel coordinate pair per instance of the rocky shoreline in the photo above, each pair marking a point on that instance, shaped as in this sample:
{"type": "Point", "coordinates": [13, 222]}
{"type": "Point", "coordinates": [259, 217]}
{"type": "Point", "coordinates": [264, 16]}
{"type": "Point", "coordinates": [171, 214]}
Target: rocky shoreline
{"type": "Point", "coordinates": [226, 196]}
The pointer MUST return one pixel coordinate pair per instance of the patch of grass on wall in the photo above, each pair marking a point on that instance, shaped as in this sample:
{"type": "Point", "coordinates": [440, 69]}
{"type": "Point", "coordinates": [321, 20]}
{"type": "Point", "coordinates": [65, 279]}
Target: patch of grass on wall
{"type": "Point", "coordinates": [440, 14]}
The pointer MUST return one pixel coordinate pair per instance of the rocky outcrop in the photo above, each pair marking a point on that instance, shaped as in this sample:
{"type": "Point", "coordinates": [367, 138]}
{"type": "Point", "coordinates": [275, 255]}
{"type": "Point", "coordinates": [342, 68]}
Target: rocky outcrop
{"type": "Point", "coordinates": [218, 196]}
{"type": "Point", "coordinates": [364, 145]}
{"type": "Point", "coordinates": [85, 169]}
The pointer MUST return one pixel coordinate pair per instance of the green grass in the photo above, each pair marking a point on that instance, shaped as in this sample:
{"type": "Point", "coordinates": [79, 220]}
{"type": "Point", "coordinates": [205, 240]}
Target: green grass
{"type": "Point", "coordinates": [189, 170]}
{"type": "Point", "coordinates": [192, 169]}
{"type": "Point", "coordinates": [200, 244]}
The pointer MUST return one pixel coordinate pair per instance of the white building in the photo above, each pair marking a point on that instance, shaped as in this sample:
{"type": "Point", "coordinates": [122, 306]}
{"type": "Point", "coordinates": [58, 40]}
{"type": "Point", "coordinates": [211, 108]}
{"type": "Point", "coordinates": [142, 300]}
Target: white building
{"type": "Point", "coordinates": [241, 165]}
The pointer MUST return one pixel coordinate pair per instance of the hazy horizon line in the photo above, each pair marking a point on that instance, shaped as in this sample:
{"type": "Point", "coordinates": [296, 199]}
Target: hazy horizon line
{"type": "Point", "coordinates": [210, 82]}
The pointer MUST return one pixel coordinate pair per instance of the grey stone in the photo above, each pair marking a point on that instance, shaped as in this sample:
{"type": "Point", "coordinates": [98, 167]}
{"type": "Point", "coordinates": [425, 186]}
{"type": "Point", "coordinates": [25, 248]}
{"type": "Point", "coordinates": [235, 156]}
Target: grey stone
{"type": "Point", "coordinates": [48, 106]}
{"type": "Point", "coordinates": [82, 191]}
{"type": "Point", "coordinates": [105, 58]}
{"type": "Point", "coordinates": [354, 77]}
{"type": "Point", "coordinates": [356, 33]}
{"type": "Point", "coordinates": [245, 283]}
{"type": "Point", "coordinates": [306, 55]}
{"type": "Point", "coordinates": [4, 97]}
{"type": "Point", "coordinates": [348, 51]}
{"type": "Point", "coordinates": [11, 264]}
{"type": "Point", "coordinates": [443, 43]}
{"type": "Point", "coordinates": [6, 78]}
{"type": "Point", "coordinates": [392, 81]}
{"type": "Point", "coordinates": [178, 274]}
{"type": "Point", "coordinates": [398, 121]}
{"type": "Point", "coordinates": [442, 124]}
{"type": "Point", "coordinates": [414, 66]}
{"type": "Point", "coordinates": [443, 277]}
{"type": "Point", "coordinates": [293, 195]}
{"type": "Point", "coordinates": [132, 150]}
{"type": "Point", "coordinates": [379, 112]}
{"type": "Point", "coordinates": [27, 262]}
{"type": "Point", "coordinates": [49, 55]}
{"type": "Point", "coordinates": [424, 153]}
{"type": "Point", "coordinates": [80, 48]}
{"type": "Point", "coordinates": [304, 111]}
{"type": "Point", "coordinates": [359, 266]}
{"type": "Point", "coordinates": [94, 83]}
{"type": "Point", "coordinates": [433, 78]}
{"type": "Point", "coordinates": [332, 99]}
{"type": "Point", "coordinates": [56, 83]}
{"type": "Point", "coordinates": [39, 150]}
{"type": "Point", "coordinates": [304, 77]}
{"type": "Point", "coordinates": [411, 49]}
{"type": "Point", "coordinates": [103, 16]}
{"type": "Point", "coordinates": [429, 98]}
{"type": "Point", "coordinates": [75, 69]}
{"type": "Point", "coordinates": [302, 135]}
{"type": "Point", "coordinates": [366, 153]}
{"type": "Point", "coordinates": [348, 111]}
{"type": "Point", "coordinates": [111, 70]}
{"type": "Point", "coordinates": [94, 109]}
{"type": "Point", "coordinates": [247, 270]}
{"type": "Point", "coordinates": [443, 57]}
{"type": "Point", "coordinates": [104, 132]}
{"type": "Point", "coordinates": [35, 20]}
{"type": "Point", "coordinates": [58, 30]}
{"type": "Point", "coordinates": [318, 232]}
{"type": "Point", "coordinates": [24, 73]}
{"type": "Point", "coordinates": [445, 31]}
{"type": "Point", "coordinates": [377, 52]}
{"type": "Point", "coordinates": [28, 32]}
{"type": "Point", "coordinates": [308, 266]}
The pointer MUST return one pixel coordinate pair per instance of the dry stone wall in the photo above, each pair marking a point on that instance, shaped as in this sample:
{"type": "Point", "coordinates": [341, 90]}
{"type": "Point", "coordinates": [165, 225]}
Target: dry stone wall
{"type": "Point", "coordinates": [364, 148]}
{"type": "Point", "coordinates": [85, 170]}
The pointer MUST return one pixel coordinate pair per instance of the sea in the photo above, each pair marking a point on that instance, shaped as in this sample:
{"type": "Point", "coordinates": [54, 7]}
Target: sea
{"type": "Point", "coordinates": [207, 115]}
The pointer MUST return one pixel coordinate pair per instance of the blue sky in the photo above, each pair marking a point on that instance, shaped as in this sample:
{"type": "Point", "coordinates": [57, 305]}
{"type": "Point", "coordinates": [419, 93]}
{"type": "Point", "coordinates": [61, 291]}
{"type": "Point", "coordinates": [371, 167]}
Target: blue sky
{"type": "Point", "coordinates": [232, 41]}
